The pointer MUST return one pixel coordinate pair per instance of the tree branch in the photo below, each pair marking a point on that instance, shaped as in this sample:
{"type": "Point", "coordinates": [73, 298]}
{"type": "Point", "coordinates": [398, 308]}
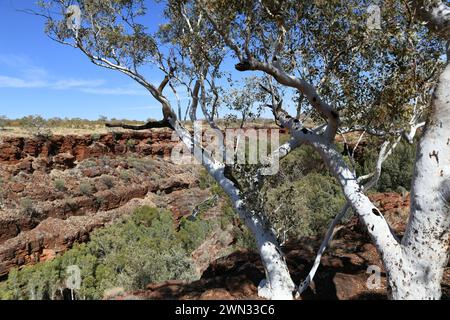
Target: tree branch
{"type": "Point", "coordinates": [383, 155]}
{"type": "Point", "coordinates": [377, 226]}
{"type": "Point", "coordinates": [327, 112]}
{"type": "Point", "coordinates": [436, 16]}
{"type": "Point", "coordinates": [149, 125]}
{"type": "Point", "coordinates": [328, 236]}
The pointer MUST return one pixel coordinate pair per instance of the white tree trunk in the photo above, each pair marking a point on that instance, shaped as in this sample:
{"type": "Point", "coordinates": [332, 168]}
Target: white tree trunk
{"type": "Point", "coordinates": [426, 241]}
{"type": "Point", "coordinates": [278, 284]}
{"type": "Point", "coordinates": [387, 244]}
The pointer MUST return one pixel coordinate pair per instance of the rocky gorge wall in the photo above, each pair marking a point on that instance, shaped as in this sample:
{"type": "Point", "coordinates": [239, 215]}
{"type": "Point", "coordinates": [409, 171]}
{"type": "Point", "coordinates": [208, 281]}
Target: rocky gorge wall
{"type": "Point", "coordinates": [54, 191]}
{"type": "Point", "coordinates": [65, 150]}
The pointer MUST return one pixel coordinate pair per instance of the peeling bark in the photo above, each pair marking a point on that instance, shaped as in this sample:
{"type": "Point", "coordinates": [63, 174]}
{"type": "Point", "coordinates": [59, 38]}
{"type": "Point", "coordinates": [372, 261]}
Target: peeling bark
{"type": "Point", "coordinates": [426, 241]}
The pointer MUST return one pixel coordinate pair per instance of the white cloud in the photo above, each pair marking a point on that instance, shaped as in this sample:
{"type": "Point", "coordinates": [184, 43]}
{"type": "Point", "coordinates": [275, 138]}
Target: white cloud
{"type": "Point", "coordinates": [22, 65]}
{"type": "Point", "coordinates": [13, 82]}
{"type": "Point", "coordinates": [26, 75]}
{"type": "Point", "coordinates": [76, 83]}
{"type": "Point", "coordinates": [92, 86]}
{"type": "Point", "coordinates": [116, 91]}
{"type": "Point", "coordinates": [14, 60]}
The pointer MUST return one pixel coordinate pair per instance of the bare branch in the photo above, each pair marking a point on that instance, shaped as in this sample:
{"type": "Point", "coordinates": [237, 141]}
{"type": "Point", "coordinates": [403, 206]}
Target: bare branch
{"type": "Point", "coordinates": [369, 130]}
{"type": "Point", "coordinates": [177, 97]}
{"type": "Point", "coordinates": [194, 104]}
{"type": "Point", "coordinates": [149, 125]}
{"type": "Point", "coordinates": [377, 226]}
{"type": "Point", "coordinates": [383, 155]}
{"type": "Point", "coordinates": [328, 236]}
{"type": "Point", "coordinates": [163, 84]}
{"type": "Point", "coordinates": [329, 113]}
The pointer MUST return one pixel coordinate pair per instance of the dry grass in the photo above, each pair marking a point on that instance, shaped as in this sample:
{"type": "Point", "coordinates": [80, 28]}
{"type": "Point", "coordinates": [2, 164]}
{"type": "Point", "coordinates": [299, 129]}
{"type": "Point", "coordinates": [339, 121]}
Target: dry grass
{"type": "Point", "coordinates": [23, 132]}
{"type": "Point", "coordinates": [87, 128]}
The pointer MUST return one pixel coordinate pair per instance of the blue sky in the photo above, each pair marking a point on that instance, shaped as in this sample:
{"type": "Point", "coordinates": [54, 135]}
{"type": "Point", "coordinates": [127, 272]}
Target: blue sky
{"type": "Point", "coordinates": [39, 76]}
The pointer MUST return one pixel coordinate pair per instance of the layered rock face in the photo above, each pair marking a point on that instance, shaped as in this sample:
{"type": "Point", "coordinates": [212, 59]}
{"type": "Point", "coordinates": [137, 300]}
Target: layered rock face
{"type": "Point", "coordinates": [64, 150]}
{"type": "Point", "coordinates": [55, 191]}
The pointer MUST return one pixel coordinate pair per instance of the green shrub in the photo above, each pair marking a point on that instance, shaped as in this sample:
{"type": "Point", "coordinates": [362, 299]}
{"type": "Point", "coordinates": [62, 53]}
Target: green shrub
{"type": "Point", "coordinates": [36, 126]}
{"type": "Point", "coordinates": [397, 170]}
{"type": "Point", "coordinates": [304, 207]}
{"type": "Point", "coordinates": [117, 135]}
{"type": "Point", "coordinates": [145, 215]}
{"type": "Point", "coordinates": [96, 136]}
{"type": "Point", "coordinates": [205, 180]}
{"type": "Point", "coordinates": [3, 122]}
{"type": "Point", "coordinates": [89, 163]}
{"type": "Point", "coordinates": [142, 164]}
{"type": "Point", "coordinates": [108, 181]}
{"type": "Point", "coordinates": [59, 185]}
{"type": "Point", "coordinates": [296, 165]}
{"type": "Point", "coordinates": [27, 206]}
{"type": "Point", "coordinates": [86, 189]}
{"type": "Point", "coordinates": [193, 233]}
{"type": "Point", "coordinates": [138, 250]}
{"type": "Point", "coordinates": [71, 205]}
{"type": "Point", "coordinates": [99, 202]}
{"type": "Point", "coordinates": [131, 144]}
{"type": "Point", "coordinates": [125, 175]}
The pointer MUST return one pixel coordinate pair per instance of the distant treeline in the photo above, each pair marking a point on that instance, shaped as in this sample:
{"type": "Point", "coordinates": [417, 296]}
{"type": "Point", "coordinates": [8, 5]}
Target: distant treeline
{"type": "Point", "coordinates": [56, 122]}
{"type": "Point", "coordinates": [80, 123]}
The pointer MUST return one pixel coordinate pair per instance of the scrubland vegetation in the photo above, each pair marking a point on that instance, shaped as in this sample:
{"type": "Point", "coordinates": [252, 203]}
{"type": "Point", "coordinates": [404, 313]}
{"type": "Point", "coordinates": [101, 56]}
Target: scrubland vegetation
{"type": "Point", "coordinates": [36, 125]}
{"type": "Point", "coordinates": [131, 253]}
{"type": "Point", "coordinates": [148, 247]}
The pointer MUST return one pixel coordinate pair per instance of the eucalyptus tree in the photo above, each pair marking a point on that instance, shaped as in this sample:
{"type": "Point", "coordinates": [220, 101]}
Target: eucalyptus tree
{"type": "Point", "coordinates": [348, 75]}
{"type": "Point", "coordinates": [379, 80]}
{"type": "Point", "coordinates": [111, 34]}
{"type": "Point", "coordinates": [246, 100]}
